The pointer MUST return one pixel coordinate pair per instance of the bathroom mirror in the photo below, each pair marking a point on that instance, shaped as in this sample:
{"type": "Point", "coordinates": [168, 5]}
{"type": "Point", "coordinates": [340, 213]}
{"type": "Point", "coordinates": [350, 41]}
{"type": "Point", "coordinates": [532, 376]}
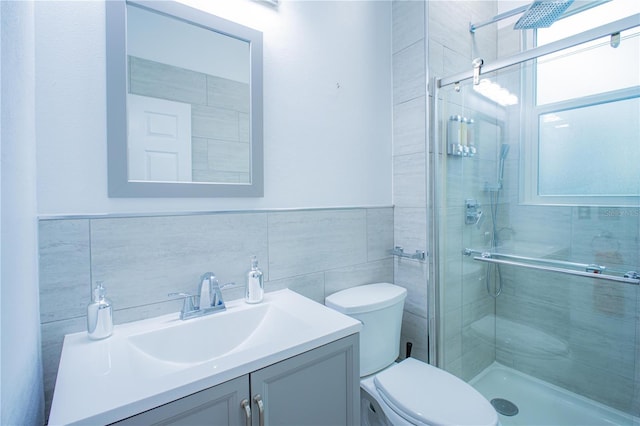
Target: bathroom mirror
{"type": "Point", "coordinates": [184, 103]}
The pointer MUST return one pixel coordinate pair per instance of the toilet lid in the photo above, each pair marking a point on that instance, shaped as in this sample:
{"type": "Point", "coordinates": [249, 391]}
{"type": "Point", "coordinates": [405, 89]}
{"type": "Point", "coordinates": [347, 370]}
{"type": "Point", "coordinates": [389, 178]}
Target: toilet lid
{"type": "Point", "coordinates": [425, 394]}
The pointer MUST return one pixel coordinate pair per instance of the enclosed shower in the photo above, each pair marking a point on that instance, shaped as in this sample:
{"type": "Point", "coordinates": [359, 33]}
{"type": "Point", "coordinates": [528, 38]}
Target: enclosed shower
{"type": "Point", "coordinates": [535, 181]}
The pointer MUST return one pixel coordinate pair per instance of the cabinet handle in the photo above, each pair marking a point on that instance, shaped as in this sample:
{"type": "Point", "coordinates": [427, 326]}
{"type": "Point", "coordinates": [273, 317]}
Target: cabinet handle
{"type": "Point", "coordinates": [247, 410]}
{"type": "Point", "coordinates": [258, 400]}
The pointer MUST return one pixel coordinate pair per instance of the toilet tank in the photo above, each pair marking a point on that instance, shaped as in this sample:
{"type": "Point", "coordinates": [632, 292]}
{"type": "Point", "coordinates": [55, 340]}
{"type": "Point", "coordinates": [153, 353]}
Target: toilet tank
{"type": "Point", "coordinates": [379, 308]}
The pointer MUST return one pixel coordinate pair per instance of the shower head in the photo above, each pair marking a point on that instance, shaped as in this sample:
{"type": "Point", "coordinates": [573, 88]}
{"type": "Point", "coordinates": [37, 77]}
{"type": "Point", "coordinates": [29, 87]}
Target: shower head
{"type": "Point", "coordinates": [542, 13]}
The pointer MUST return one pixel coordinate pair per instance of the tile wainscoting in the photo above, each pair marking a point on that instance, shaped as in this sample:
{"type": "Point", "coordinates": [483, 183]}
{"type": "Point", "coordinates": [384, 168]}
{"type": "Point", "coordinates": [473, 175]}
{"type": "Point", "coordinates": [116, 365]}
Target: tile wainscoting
{"type": "Point", "coordinates": [141, 259]}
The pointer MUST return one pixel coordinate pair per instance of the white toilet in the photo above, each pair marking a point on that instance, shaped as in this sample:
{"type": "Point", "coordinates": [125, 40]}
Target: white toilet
{"type": "Point", "coordinates": [410, 392]}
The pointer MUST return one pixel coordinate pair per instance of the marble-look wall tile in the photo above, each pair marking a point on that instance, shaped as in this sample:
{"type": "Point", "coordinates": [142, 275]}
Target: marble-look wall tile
{"type": "Point", "coordinates": [409, 73]}
{"type": "Point", "coordinates": [409, 180]}
{"type": "Point", "coordinates": [311, 241]}
{"type": "Point", "coordinates": [141, 260]}
{"type": "Point", "coordinates": [157, 80]}
{"type": "Point", "coordinates": [379, 233]}
{"type": "Point", "coordinates": [409, 126]}
{"type": "Point", "coordinates": [310, 285]}
{"type": "Point", "coordinates": [65, 270]}
{"type": "Point", "coordinates": [199, 155]}
{"type": "Point", "coordinates": [228, 94]}
{"type": "Point", "coordinates": [413, 275]}
{"type": "Point", "coordinates": [229, 156]}
{"type": "Point", "coordinates": [361, 274]}
{"type": "Point", "coordinates": [452, 335]}
{"type": "Point", "coordinates": [408, 23]}
{"type": "Point", "coordinates": [52, 338]}
{"type": "Point", "coordinates": [414, 330]}
{"type": "Point", "coordinates": [449, 26]}
{"type": "Point", "coordinates": [410, 228]}
{"type": "Point", "coordinates": [214, 123]}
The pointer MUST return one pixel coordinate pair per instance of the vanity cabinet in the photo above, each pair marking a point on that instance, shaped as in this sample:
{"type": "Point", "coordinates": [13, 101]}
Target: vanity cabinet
{"type": "Point", "coordinates": [318, 387]}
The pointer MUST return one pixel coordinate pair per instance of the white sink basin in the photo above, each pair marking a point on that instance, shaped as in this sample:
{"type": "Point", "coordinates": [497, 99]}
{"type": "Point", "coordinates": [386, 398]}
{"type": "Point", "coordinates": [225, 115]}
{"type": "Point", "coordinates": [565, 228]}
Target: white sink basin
{"type": "Point", "coordinates": [207, 338]}
{"type": "Point", "coordinates": [151, 362]}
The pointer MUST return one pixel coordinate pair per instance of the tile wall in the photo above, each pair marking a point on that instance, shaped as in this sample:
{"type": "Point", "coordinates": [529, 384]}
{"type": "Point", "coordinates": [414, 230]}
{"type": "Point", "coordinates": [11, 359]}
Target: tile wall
{"type": "Point", "coordinates": [219, 116]}
{"type": "Point", "coordinates": [409, 167]}
{"type": "Point", "coordinates": [142, 259]}
{"type": "Point", "coordinates": [588, 328]}
{"type": "Point", "coordinates": [431, 42]}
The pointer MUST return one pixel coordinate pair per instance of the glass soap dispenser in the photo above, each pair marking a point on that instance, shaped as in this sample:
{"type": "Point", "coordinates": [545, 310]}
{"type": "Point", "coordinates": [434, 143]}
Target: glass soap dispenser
{"type": "Point", "coordinates": [99, 315]}
{"type": "Point", "coordinates": [254, 290]}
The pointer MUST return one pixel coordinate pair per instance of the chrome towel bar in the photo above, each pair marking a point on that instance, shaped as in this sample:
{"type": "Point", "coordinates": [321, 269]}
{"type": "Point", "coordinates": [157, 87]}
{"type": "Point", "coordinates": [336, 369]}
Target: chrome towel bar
{"type": "Point", "coordinates": [591, 271]}
{"type": "Point", "coordinates": [399, 251]}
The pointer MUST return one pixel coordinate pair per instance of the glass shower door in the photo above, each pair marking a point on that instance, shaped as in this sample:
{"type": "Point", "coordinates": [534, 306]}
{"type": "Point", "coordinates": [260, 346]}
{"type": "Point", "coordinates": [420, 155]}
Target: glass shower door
{"type": "Point", "coordinates": [545, 195]}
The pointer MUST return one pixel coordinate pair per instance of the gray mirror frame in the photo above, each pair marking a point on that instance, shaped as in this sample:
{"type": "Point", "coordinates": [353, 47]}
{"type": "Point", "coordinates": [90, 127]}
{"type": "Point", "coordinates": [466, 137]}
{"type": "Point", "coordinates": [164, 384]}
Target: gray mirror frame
{"type": "Point", "coordinates": [116, 50]}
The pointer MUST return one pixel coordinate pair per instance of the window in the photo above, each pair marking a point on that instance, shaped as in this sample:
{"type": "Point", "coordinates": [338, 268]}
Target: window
{"type": "Point", "coordinates": [584, 145]}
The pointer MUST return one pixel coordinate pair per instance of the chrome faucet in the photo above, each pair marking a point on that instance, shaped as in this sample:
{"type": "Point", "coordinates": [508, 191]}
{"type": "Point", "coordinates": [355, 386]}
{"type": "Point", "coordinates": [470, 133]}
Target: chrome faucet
{"type": "Point", "coordinates": [210, 294]}
{"type": "Point", "coordinates": [209, 299]}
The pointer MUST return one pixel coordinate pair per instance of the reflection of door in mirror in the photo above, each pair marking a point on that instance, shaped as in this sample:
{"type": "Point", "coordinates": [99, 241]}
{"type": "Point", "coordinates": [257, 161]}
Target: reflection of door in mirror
{"type": "Point", "coordinates": [172, 60]}
{"type": "Point", "coordinates": [159, 140]}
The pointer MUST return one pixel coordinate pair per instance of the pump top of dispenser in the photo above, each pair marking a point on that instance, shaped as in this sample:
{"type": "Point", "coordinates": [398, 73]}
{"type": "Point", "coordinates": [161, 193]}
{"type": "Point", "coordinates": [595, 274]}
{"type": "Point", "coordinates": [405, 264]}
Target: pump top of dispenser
{"type": "Point", "coordinates": [99, 292]}
{"type": "Point", "coordinates": [254, 290]}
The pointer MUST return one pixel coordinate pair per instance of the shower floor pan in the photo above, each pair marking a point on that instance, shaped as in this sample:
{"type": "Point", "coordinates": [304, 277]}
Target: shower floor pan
{"type": "Point", "coordinates": [540, 403]}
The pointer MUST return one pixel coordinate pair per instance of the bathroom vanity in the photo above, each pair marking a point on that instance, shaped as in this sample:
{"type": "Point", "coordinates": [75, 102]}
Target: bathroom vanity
{"type": "Point", "coordinates": [288, 360]}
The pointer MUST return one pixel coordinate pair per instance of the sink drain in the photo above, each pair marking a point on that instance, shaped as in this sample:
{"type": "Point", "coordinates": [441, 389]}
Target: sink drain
{"type": "Point", "coordinates": [504, 406]}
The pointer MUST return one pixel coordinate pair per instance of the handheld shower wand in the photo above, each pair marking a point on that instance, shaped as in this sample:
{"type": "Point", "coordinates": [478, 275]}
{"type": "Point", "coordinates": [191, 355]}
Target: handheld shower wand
{"type": "Point", "coordinates": [504, 150]}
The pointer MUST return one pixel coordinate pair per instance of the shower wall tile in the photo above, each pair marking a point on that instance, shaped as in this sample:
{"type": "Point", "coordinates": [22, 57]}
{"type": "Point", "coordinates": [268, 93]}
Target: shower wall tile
{"type": "Point", "coordinates": [312, 241]}
{"type": "Point", "coordinates": [542, 228]}
{"type": "Point", "coordinates": [452, 335]}
{"type": "Point", "coordinates": [408, 23]}
{"type": "Point", "coordinates": [409, 73]}
{"type": "Point", "coordinates": [65, 271]}
{"type": "Point", "coordinates": [409, 129]}
{"type": "Point", "coordinates": [379, 233]}
{"type": "Point", "coordinates": [477, 354]}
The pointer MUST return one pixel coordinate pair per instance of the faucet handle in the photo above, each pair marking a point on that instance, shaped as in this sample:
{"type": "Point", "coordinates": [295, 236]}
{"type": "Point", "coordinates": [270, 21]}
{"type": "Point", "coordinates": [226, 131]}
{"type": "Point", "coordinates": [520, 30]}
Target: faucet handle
{"type": "Point", "coordinates": [188, 305]}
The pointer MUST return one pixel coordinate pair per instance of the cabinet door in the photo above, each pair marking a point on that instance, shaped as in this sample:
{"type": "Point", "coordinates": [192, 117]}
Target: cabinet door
{"type": "Point", "coordinates": [219, 405]}
{"type": "Point", "coordinates": [319, 387]}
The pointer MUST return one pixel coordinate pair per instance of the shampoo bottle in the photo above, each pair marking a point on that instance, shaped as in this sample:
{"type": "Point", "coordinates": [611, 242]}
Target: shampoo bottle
{"type": "Point", "coordinates": [99, 315]}
{"type": "Point", "coordinates": [254, 290]}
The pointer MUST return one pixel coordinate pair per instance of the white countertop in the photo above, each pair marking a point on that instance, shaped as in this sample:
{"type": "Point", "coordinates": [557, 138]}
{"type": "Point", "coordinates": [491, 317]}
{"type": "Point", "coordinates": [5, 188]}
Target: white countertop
{"type": "Point", "coordinates": [108, 380]}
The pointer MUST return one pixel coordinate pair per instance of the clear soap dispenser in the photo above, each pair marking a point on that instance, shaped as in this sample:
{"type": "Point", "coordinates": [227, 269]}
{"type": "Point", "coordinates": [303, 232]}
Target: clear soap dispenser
{"type": "Point", "coordinates": [99, 315]}
{"type": "Point", "coordinates": [254, 290]}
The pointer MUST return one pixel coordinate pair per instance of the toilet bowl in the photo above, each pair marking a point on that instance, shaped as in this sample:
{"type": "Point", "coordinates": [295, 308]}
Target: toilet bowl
{"type": "Point", "coordinates": [409, 392]}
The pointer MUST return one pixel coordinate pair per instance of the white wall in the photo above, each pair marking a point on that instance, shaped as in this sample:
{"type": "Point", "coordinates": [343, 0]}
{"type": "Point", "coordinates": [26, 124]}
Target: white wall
{"type": "Point", "coordinates": [22, 397]}
{"type": "Point", "coordinates": [327, 107]}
